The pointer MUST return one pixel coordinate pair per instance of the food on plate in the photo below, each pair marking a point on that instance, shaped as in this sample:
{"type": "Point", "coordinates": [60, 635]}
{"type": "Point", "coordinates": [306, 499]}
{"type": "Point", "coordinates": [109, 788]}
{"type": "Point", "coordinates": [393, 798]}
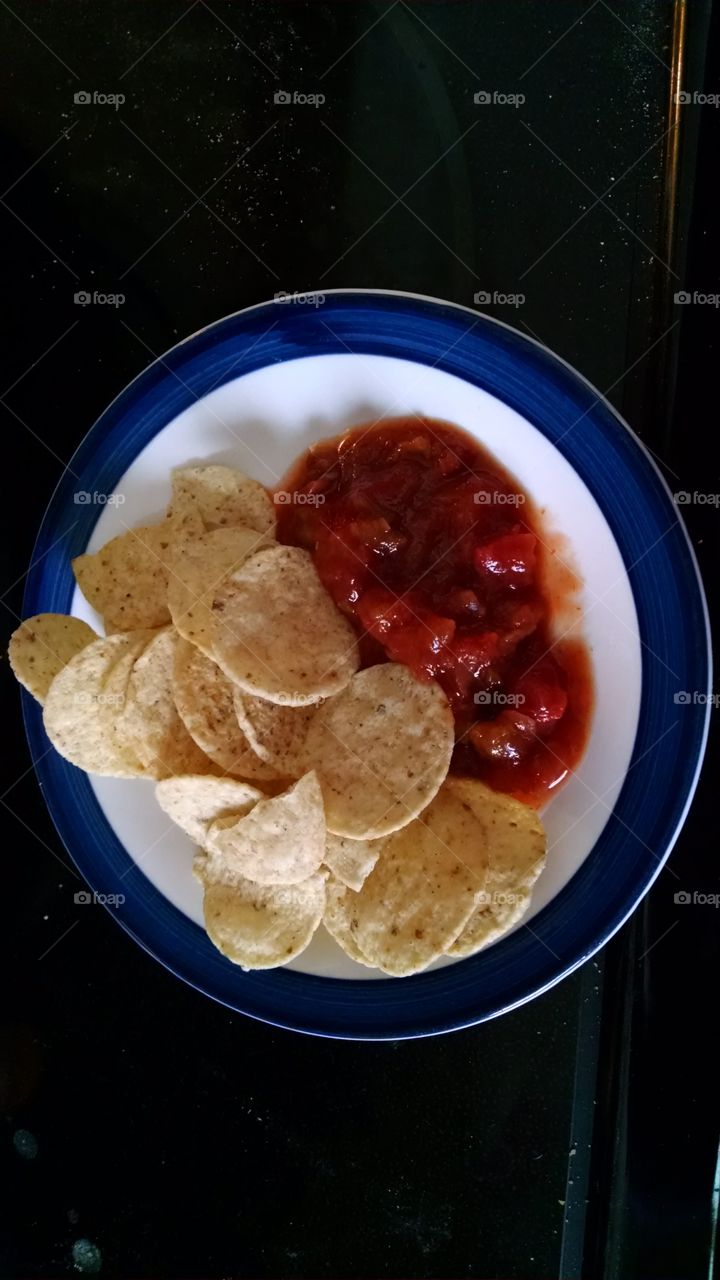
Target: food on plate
{"type": "Point", "coordinates": [276, 733]}
{"type": "Point", "coordinates": [127, 580]}
{"type": "Point", "coordinates": [347, 728]}
{"type": "Point", "coordinates": [148, 724]}
{"type": "Point", "coordinates": [194, 802]}
{"type": "Point", "coordinates": [381, 748]}
{"type": "Point", "coordinates": [441, 562]}
{"type": "Point", "coordinates": [422, 891]}
{"type": "Point", "coordinates": [196, 567]}
{"type": "Point", "coordinates": [222, 497]}
{"type": "Point", "coordinates": [85, 700]}
{"type": "Point", "coordinates": [281, 840]}
{"type": "Point", "coordinates": [277, 633]}
{"type": "Point", "coordinates": [351, 861]}
{"type": "Point", "coordinates": [42, 646]}
{"type": "Point", "coordinates": [514, 839]}
{"type": "Point", "coordinates": [203, 696]}
{"type": "Point", "coordinates": [258, 926]}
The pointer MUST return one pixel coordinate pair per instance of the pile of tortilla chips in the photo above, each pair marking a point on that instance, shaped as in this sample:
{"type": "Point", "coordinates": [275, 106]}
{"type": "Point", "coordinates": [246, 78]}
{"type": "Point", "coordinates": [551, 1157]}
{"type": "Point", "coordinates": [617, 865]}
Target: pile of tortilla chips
{"type": "Point", "coordinates": [316, 792]}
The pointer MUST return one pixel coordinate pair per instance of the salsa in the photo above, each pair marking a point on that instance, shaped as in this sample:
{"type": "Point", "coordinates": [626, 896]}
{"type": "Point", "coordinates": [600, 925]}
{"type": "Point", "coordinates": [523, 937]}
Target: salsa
{"type": "Point", "coordinates": [438, 557]}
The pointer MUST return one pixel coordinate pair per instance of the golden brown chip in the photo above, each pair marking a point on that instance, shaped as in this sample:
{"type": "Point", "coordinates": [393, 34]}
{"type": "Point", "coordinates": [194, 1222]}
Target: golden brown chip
{"type": "Point", "coordinates": [194, 802]}
{"type": "Point", "coordinates": [223, 497]}
{"type": "Point", "coordinates": [204, 699]}
{"type": "Point", "coordinates": [127, 580]}
{"type": "Point", "coordinates": [515, 840]}
{"type": "Point", "coordinates": [280, 841]}
{"type": "Point", "coordinates": [197, 567]}
{"type": "Point", "coordinates": [422, 891]}
{"type": "Point", "coordinates": [85, 702]}
{"type": "Point", "coordinates": [381, 748]}
{"type": "Point", "coordinates": [276, 733]}
{"type": "Point", "coordinates": [259, 926]}
{"type": "Point", "coordinates": [42, 646]}
{"type": "Point", "coordinates": [277, 632]}
{"type": "Point", "coordinates": [351, 861]}
{"type": "Point", "coordinates": [149, 725]}
{"type": "Point", "coordinates": [339, 921]}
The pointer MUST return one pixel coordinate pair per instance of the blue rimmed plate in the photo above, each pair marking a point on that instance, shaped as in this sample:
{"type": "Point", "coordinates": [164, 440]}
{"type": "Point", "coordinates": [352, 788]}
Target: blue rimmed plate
{"type": "Point", "coordinates": [254, 390]}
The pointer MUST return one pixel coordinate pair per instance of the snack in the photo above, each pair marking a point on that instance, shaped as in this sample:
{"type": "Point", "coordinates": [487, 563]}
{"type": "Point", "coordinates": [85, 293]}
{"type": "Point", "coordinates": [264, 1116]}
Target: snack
{"type": "Point", "coordinates": [281, 840]}
{"type": "Point", "coordinates": [42, 646]}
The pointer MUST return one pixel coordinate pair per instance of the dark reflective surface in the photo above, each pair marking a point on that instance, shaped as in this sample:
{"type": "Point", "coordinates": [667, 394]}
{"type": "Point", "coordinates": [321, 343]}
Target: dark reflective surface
{"type": "Point", "coordinates": [176, 1138]}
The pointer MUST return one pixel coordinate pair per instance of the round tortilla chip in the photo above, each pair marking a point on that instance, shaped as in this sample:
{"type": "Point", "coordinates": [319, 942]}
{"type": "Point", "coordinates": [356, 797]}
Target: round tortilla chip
{"type": "Point", "coordinates": [351, 861]}
{"type": "Point", "coordinates": [280, 841]}
{"type": "Point", "coordinates": [223, 497]}
{"type": "Point", "coordinates": [42, 646]}
{"type": "Point", "coordinates": [381, 748]}
{"type": "Point", "coordinates": [85, 702]}
{"type": "Point", "coordinates": [277, 633]}
{"type": "Point", "coordinates": [197, 567]}
{"type": "Point", "coordinates": [127, 580]}
{"type": "Point", "coordinates": [277, 734]}
{"type": "Point", "coordinates": [195, 801]}
{"type": "Point", "coordinates": [149, 725]}
{"type": "Point", "coordinates": [338, 922]}
{"type": "Point", "coordinates": [422, 891]}
{"type": "Point", "coordinates": [515, 841]}
{"type": "Point", "coordinates": [260, 927]}
{"type": "Point", "coordinates": [204, 700]}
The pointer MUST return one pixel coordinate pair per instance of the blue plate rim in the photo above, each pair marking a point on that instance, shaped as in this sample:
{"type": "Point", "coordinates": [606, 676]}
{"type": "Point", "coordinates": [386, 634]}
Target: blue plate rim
{"type": "Point", "coordinates": [429, 1020]}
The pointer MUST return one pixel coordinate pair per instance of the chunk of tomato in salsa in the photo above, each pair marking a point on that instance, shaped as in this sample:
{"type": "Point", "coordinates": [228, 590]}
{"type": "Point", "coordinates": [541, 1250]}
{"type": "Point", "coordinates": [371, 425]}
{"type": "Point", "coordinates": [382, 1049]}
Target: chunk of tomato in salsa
{"type": "Point", "coordinates": [431, 549]}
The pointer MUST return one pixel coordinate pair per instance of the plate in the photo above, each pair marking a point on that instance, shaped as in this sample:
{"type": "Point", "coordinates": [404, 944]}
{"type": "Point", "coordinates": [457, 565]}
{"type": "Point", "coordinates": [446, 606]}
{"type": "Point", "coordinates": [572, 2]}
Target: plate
{"type": "Point", "coordinates": [253, 390]}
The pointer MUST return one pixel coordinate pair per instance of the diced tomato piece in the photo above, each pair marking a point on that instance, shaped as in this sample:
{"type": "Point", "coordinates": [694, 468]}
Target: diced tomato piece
{"type": "Point", "coordinates": [543, 693]}
{"type": "Point", "coordinates": [464, 605]}
{"type": "Point", "coordinates": [509, 555]}
{"type": "Point", "coordinates": [510, 737]}
{"type": "Point", "coordinates": [422, 645]}
{"type": "Point", "coordinates": [474, 652]}
{"type": "Point", "coordinates": [381, 612]}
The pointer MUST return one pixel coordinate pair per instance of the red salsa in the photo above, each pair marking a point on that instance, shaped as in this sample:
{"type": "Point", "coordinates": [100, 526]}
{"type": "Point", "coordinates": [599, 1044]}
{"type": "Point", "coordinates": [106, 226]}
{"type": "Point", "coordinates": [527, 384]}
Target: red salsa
{"type": "Point", "coordinates": [436, 555]}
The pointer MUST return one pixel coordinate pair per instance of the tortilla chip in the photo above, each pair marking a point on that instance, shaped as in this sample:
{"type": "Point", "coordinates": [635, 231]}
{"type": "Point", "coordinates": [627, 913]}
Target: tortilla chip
{"type": "Point", "coordinates": [85, 702]}
{"type": "Point", "coordinates": [351, 861]}
{"type": "Point", "coordinates": [42, 646]}
{"type": "Point", "coordinates": [339, 922]}
{"type": "Point", "coordinates": [514, 838]}
{"type": "Point", "coordinates": [277, 632]}
{"type": "Point", "coordinates": [281, 840]}
{"type": "Point", "coordinates": [422, 891]}
{"type": "Point", "coordinates": [204, 700]}
{"type": "Point", "coordinates": [276, 733]}
{"type": "Point", "coordinates": [127, 580]}
{"type": "Point", "coordinates": [259, 926]}
{"type": "Point", "coordinates": [223, 498]}
{"type": "Point", "coordinates": [149, 725]}
{"type": "Point", "coordinates": [194, 802]}
{"type": "Point", "coordinates": [197, 567]}
{"type": "Point", "coordinates": [381, 748]}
